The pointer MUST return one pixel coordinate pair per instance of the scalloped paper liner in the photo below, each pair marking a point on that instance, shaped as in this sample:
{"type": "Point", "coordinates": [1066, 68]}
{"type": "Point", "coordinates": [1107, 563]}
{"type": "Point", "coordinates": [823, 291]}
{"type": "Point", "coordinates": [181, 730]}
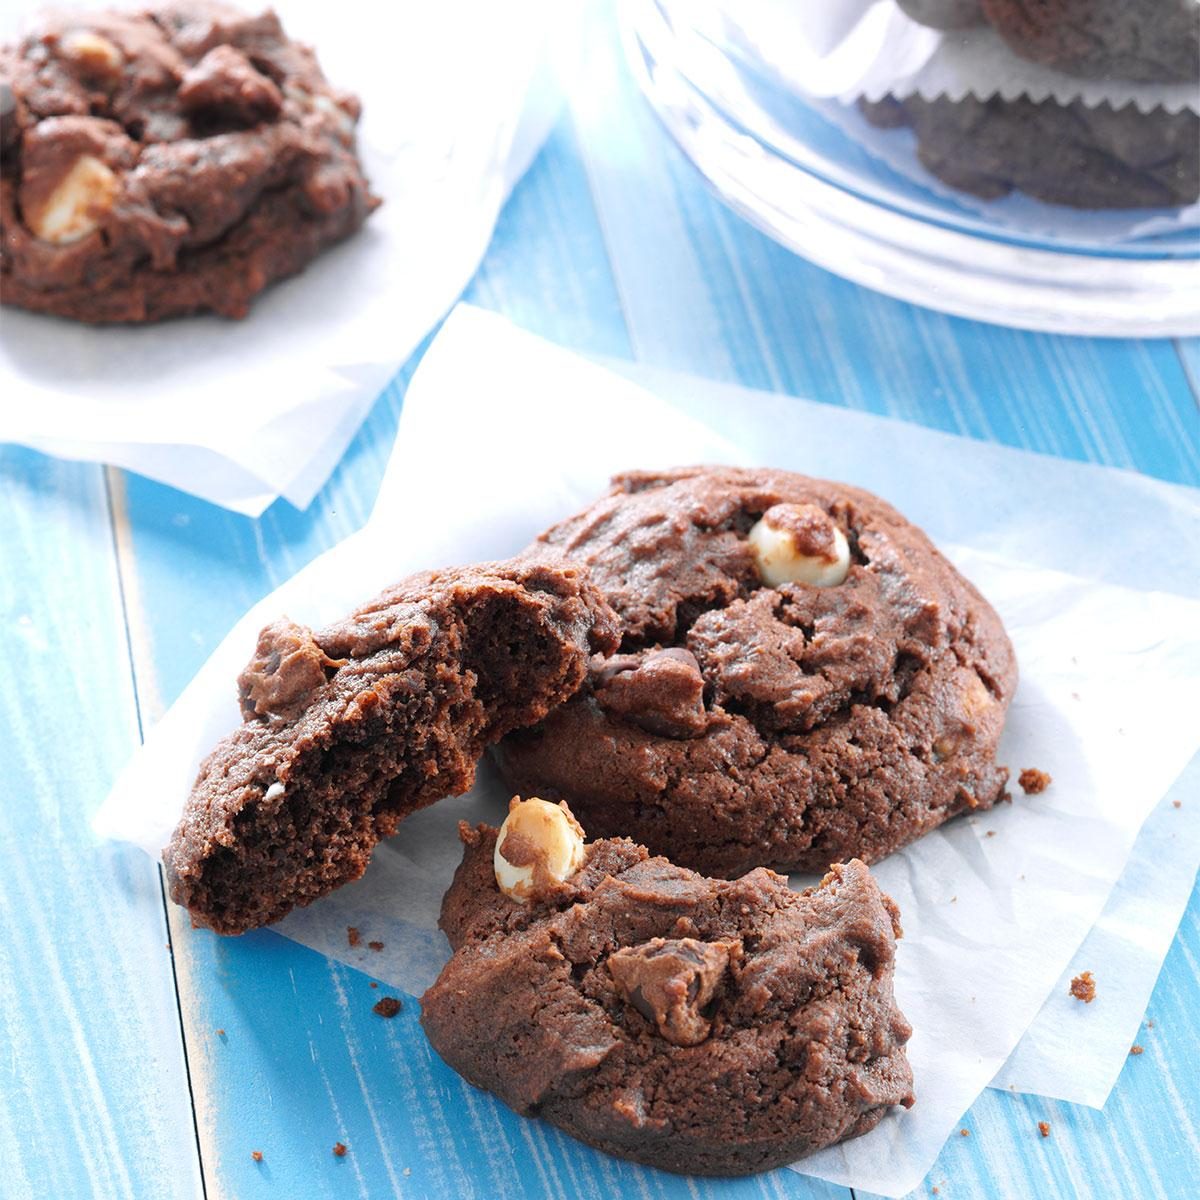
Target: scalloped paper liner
{"type": "Point", "coordinates": [847, 49]}
{"type": "Point", "coordinates": [979, 64]}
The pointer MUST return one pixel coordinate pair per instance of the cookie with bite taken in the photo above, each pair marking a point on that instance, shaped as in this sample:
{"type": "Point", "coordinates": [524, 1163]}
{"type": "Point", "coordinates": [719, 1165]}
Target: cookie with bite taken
{"type": "Point", "coordinates": [348, 729]}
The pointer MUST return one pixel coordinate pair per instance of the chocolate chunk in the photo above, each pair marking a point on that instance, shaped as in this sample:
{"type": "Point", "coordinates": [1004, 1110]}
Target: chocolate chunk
{"type": "Point", "coordinates": [661, 691]}
{"type": "Point", "coordinates": [671, 982]}
{"type": "Point", "coordinates": [287, 669]}
{"type": "Point", "coordinates": [225, 83]}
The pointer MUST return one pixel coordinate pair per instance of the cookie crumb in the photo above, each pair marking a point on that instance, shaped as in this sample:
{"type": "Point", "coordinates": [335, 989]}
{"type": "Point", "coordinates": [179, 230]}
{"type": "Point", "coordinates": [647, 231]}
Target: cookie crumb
{"type": "Point", "coordinates": [1083, 987]}
{"type": "Point", "coordinates": [1149, 1024]}
{"type": "Point", "coordinates": [388, 1006]}
{"type": "Point", "coordinates": [964, 1132]}
{"type": "Point", "coordinates": [1176, 803]}
{"type": "Point", "coordinates": [1044, 1128]}
{"type": "Point", "coordinates": [934, 1189]}
{"type": "Point", "coordinates": [220, 1033]}
{"type": "Point", "coordinates": [1033, 782]}
{"type": "Point", "coordinates": [339, 1149]}
{"type": "Point", "coordinates": [256, 1155]}
{"type": "Point", "coordinates": [373, 984]}
{"type": "Point", "coordinates": [376, 946]}
{"type": "Point", "coordinates": [991, 833]}
{"type": "Point", "coordinates": [1136, 1049]}
{"type": "Point", "coordinates": [352, 935]}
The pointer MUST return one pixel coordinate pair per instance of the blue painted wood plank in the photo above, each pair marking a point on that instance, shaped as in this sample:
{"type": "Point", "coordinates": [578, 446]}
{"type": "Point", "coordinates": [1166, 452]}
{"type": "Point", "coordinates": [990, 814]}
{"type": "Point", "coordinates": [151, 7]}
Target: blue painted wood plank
{"type": "Point", "coordinates": [704, 292]}
{"type": "Point", "coordinates": [303, 1062]}
{"type": "Point", "coordinates": [547, 268]}
{"type": "Point", "coordinates": [93, 1089]}
{"type": "Point", "coordinates": [1189, 354]}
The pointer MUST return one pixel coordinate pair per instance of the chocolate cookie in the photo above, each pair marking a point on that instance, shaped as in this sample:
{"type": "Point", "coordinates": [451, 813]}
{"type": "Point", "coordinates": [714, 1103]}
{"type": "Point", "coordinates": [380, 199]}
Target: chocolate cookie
{"type": "Point", "coordinates": [788, 726]}
{"type": "Point", "coordinates": [1151, 41]}
{"type": "Point", "coordinates": [944, 14]}
{"type": "Point", "coordinates": [692, 1024]}
{"type": "Point", "coordinates": [1063, 154]}
{"type": "Point", "coordinates": [168, 161]}
{"type": "Point", "coordinates": [348, 730]}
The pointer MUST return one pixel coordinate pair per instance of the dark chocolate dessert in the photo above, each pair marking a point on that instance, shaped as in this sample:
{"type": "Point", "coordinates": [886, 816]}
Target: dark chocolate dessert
{"type": "Point", "coordinates": [170, 160]}
{"type": "Point", "coordinates": [803, 677]}
{"type": "Point", "coordinates": [349, 729]}
{"type": "Point", "coordinates": [696, 1025]}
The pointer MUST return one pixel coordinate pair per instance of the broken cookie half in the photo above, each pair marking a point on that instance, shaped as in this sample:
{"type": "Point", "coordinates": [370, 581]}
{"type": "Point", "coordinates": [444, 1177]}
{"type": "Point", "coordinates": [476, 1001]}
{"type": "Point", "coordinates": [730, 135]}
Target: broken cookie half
{"type": "Point", "coordinates": [698, 1025]}
{"type": "Point", "coordinates": [348, 730]}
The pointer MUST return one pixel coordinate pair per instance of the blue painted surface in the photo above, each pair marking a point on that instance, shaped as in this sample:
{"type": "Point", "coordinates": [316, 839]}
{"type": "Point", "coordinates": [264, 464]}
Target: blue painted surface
{"type": "Point", "coordinates": [113, 1078]}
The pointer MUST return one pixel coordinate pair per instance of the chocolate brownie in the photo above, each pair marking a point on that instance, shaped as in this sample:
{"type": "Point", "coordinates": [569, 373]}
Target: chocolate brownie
{"type": "Point", "coordinates": [697, 1025]}
{"type": "Point", "coordinates": [348, 730]}
{"type": "Point", "coordinates": [788, 726]}
{"type": "Point", "coordinates": [1070, 154]}
{"type": "Point", "coordinates": [1151, 41]}
{"type": "Point", "coordinates": [944, 14]}
{"type": "Point", "coordinates": [1148, 41]}
{"type": "Point", "coordinates": [169, 160]}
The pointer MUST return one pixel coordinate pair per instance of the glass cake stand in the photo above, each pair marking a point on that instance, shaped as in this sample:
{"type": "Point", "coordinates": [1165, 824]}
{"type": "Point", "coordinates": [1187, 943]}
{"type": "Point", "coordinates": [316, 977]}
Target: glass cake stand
{"type": "Point", "coordinates": [797, 169]}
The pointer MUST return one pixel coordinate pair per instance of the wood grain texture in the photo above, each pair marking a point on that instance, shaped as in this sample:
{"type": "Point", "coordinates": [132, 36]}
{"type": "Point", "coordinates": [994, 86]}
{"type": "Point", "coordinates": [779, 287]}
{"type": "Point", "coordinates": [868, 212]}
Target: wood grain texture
{"type": "Point", "coordinates": [93, 1091]}
{"type": "Point", "coordinates": [612, 246]}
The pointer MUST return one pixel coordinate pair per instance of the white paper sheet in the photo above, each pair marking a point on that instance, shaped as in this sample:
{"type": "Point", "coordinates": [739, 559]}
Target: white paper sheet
{"type": "Point", "coordinates": [240, 413]}
{"type": "Point", "coordinates": [991, 921]}
{"type": "Point", "coordinates": [1075, 1052]}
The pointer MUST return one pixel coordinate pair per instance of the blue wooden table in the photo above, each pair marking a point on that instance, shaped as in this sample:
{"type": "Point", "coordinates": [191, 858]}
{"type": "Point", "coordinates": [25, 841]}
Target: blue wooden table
{"type": "Point", "coordinates": [143, 1059]}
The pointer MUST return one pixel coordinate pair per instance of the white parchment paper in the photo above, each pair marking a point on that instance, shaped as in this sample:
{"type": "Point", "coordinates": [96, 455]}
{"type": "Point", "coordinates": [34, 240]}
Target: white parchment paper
{"type": "Point", "coordinates": [457, 97]}
{"type": "Point", "coordinates": [994, 906]}
{"type": "Point", "coordinates": [1075, 1052]}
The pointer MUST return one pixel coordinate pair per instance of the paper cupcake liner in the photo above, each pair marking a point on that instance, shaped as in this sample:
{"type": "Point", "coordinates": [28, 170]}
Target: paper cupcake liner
{"type": "Point", "coordinates": [851, 49]}
{"type": "Point", "coordinates": [977, 63]}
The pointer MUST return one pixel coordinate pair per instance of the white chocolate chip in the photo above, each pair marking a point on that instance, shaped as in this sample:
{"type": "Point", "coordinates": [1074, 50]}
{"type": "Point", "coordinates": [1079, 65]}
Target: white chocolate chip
{"type": "Point", "coordinates": [276, 790]}
{"type": "Point", "coordinates": [977, 699]}
{"type": "Point", "coordinates": [323, 104]}
{"type": "Point", "coordinates": [74, 209]}
{"type": "Point", "coordinates": [548, 841]}
{"type": "Point", "coordinates": [92, 52]}
{"type": "Point", "coordinates": [781, 542]}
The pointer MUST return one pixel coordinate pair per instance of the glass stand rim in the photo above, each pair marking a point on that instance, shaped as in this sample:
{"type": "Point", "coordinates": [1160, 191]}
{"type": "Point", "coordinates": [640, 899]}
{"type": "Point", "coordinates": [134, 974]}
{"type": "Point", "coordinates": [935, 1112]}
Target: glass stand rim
{"type": "Point", "coordinates": [912, 259]}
